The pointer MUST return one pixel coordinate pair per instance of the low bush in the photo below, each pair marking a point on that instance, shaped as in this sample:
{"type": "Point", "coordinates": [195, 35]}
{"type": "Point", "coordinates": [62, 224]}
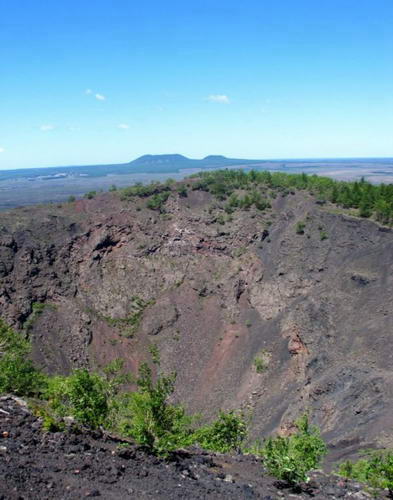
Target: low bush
{"type": "Point", "coordinates": [376, 470]}
{"type": "Point", "coordinates": [225, 434]}
{"type": "Point", "coordinates": [148, 417]}
{"type": "Point", "coordinates": [300, 227]}
{"type": "Point", "coordinates": [82, 395]}
{"type": "Point", "coordinates": [17, 372]}
{"type": "Point", "coordinates": [143, 190]}
{"type": "Point", "coordinates": [260, 364]}
{"type": "Point", "coordinates": [323, 235]}
{"type": "Point", "coordinates": [291, 458]}
{"type": "Point", "coordinates": [157, 201]}
{"type": "Point", "coordinates": [182, 191]}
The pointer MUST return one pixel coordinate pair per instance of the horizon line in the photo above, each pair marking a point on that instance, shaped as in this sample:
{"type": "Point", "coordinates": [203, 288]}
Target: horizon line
{"type": "Point", "coordinates": [293, 159]}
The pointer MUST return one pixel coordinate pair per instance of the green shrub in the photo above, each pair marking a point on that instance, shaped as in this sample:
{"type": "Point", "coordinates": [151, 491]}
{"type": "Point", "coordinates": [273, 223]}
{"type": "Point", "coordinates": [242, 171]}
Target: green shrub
{"type": "Point", "coordinates": [17, 372]}
{"type": "Point", "coordinates": [71, 199]}
{"type": "Point", "coordinates": [143, 190]}
{"type": "Point", "coordinates": [37, 309]}
{"type": "Point", "coordinates": [148, 417]}
{"type": "Point", "coordinates": [291, 458]}
{"type": "Point", "coordinates": [300, 227]}
{"type": "Point", "coordinates": [223, 435]}
{"type": "Point", "coordinates": [323, 235]}
{"type": "Point", "coordinates": [157, 201]}
{"type": "Point", "coordinates": [83, 395]}
{"type": "Point", "coordinates": [220, 219]}
{"type": "Point", "coordinates": [260, 364]}
{"type": "Point", "coordinates": [182, 191]}
{"type": "Point", "coordinates": [376, 470]}
{"type": "Point", "coordinates": [112, 188]}
{"type": "Point", "coordinates": [90, 195]}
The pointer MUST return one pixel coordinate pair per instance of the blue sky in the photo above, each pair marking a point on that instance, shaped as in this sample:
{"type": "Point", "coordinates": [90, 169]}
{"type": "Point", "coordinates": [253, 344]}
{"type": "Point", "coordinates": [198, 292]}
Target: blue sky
{"type": "Point", "coordinates": [106, 81]}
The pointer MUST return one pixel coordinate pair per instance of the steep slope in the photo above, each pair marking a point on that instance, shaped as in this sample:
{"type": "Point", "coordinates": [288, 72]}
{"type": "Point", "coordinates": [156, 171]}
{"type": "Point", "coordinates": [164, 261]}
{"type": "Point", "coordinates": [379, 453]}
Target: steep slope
{"type": "Point", "coordinates": [216, 293]}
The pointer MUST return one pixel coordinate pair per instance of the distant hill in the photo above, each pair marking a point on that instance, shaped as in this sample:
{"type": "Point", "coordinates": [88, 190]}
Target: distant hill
{"type": "Point", "coordinates": [144, 164]}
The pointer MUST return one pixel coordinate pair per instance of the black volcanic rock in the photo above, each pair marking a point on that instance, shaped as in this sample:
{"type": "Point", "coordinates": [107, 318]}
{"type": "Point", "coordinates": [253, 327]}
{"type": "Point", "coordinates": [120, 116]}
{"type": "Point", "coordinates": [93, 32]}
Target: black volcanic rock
{"type": "Point", "coordinates": [36, 464]}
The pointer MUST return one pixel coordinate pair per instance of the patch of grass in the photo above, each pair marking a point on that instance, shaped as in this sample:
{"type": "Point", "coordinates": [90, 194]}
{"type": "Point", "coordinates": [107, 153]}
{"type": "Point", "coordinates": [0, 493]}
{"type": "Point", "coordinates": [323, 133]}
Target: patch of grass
{"type": "Point", "coordinates": [37, 309]}
{"type": "Point", "coordinates": [130, 324]}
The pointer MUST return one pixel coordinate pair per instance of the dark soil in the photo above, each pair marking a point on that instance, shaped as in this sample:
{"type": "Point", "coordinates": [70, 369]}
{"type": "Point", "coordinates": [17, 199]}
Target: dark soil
{"type": "Point", "coordinates": [69, 465]}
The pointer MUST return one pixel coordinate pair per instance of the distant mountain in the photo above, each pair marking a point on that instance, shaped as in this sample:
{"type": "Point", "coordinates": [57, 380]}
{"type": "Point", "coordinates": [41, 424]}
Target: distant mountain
{"type": "Point", "coordinates": [159, 164]}
{"type": "Point", "coordinates": [159, 159]}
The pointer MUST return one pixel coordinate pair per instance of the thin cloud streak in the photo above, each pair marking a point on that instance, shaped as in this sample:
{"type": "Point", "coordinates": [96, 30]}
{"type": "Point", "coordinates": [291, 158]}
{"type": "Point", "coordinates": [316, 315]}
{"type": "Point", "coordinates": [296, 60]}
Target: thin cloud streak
{"type": "Point", "coordinates": [219, 98]}
{"type": "Point", "coordinates": [46, 128]}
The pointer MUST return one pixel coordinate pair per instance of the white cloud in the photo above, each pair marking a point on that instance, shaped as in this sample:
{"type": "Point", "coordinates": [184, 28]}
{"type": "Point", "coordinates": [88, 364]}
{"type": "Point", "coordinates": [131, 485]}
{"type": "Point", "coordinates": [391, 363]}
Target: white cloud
{"type": "Point", "coordinates": [46, 128]}
{"type": "Point", "coordinates": [2, 150]}
{"type": "Point", "coordinates": [124, 126]}
{"type": "Point", "coordinates": [220, 98]}
{"type": "Point", "coordinates": [88, 91]}
{"type": "Point", "coordinates": [100, 97]}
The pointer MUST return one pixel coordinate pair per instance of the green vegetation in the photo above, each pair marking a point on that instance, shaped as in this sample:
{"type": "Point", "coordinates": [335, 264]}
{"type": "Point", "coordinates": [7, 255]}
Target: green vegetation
{"type": "Point", "coordinates": [260, 364]}
{"type": "Point", "coordinates": [368, 199]}
{"type": "Point", "coordinates": [112, 188]}
{"type": "Point", "coordinates": [143, 190]}
{"type": "Point", "coordinates": [376, 470]}
{"type": "Point", "coordinates": [323, 235]}
{"type": "Point", "coordinates": [90, 195]}
{"type": "Point", "coordinates": [225, 434]}
{"type": "Point", "coordinates": [182, 191]}
{"type": "Point", "coordinates": [71, 199]}
{"type": "Point", "coordinates": [98, 400]}
{"type": "Point", "coordinates": [291, 458]}
{"type": "Point", "coordinates": [129, 325]}
{"type": "Point", "coordinates": [147, 417]}
{"type": "Point", "coordinates": [83, 395]}
{"type": "Point", "coordinates": [300, 227]}
{"type": "Point", "coordinates": [36, 310]}
{"type": "Point", "coordinates": [17, 373]}
{"type": "Point", "coordinates": [157, 201]}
